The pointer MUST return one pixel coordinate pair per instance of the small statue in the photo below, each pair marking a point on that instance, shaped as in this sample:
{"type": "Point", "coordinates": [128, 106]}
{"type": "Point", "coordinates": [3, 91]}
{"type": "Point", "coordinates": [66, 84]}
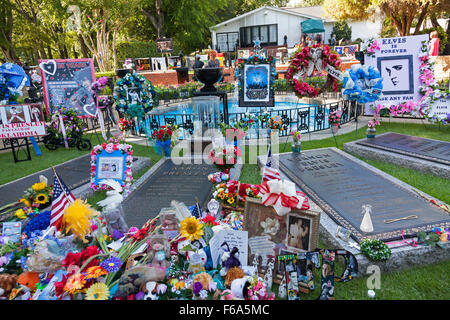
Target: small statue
{"type": "Point", "coordinates": [366, 223]}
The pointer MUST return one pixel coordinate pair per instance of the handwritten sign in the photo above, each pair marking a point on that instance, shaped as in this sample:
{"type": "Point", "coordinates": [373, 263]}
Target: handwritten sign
{"type": "Point", "coordinates": [263, 246]}
{"type": "Point", "coordinates": [67, 83]}
{"type": "Point", "coordinates": [238, 239]}
{"type": "Point", "coordinates": [440, 108]}
{"type": "Point", "coordinates": [20, 121]}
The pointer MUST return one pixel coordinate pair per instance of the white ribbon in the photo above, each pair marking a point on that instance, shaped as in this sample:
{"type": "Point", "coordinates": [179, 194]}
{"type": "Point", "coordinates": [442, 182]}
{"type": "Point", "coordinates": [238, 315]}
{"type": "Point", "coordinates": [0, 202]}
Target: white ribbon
{"type": "Point", "coordinates": [63, 130]}
{"type": "Point", "coordinates": [286, 188]}
{"type": "Point", "coordinates": [101, 122]}
{"type": "Point", "coordinates": [315, 54]}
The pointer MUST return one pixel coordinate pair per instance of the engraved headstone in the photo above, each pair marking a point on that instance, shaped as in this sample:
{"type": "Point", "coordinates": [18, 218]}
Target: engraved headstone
{"type": "Point", "coordinates": [341, 186]}
{"type": "Point", "coordinates": [422, 148]}
{"type": "Point", "coordinates": [169, 182]}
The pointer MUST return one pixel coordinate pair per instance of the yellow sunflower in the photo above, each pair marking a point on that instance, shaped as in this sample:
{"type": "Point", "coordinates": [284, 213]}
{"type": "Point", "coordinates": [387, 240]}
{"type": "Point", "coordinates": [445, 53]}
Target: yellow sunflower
{"type": "Point", "coordinates": [26, 202]}
{"type": "Point", "coordinates": [98, 291]}
{"type": "Point", "coordinates": [95, 272]}
{"type": "Point", "coordinates": [221, 194]}
{"type": "Point", "coordinates": [41, 198]}
{"type": "Point", "coordinates": [191, 228]}
{"type": "Point", "coordinates": [230, 200]}
{"type": "Point", "coordinates": [39, 186]}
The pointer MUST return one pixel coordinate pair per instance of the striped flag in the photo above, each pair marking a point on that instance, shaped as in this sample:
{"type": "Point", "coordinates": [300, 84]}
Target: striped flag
{"type": "Point", "coordinates": [270, 172]}
{"type": "Point", "coordinates": [62, 198]}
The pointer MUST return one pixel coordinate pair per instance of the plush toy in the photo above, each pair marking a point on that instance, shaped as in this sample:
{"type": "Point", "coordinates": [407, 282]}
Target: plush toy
{"type": "Point", "coordinates": [28, 280]}
{"type": "Point", "coordinates": [150, 290]}
{"type": "Point", "coordinates": [197, 260]}
{"type": "Point", "coordinates": [158, 251]}
{"type": "Point", "coordinates": [204, 278]}
{"type": "Point", "coordinates": [232, 274]}
{"type": "Point", "coordinates": [7, 283]}
{"type": "Point", "coordinates": [239, 287]}
{"type": "Point", "coordinates": [132, 279]}
{"type": "Point", "coordinates": [268, 276]}
{"type": "Point", "coordinates": [229, 260]}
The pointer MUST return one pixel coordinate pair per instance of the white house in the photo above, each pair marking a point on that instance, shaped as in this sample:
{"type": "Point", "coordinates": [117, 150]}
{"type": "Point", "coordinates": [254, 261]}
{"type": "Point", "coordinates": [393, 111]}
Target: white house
{"type": "Point", "coordinates": [271, 25]}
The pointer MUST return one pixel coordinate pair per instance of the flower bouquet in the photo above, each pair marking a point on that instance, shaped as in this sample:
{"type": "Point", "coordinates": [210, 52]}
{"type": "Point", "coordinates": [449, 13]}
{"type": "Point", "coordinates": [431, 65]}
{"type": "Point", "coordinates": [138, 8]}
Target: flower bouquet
{"type": "Point", "coordinates": [296, 144]}
{"type": "Point", "coordinates": [334, 119]}
{"type": "Point", "coordinates": [125, 126]}
{"type": "Point", "coordinates": [163, 138]}
{"type": "Point", "coordinates": [225, 158]}
{"type": "Point", "coordinates": [275, 123]}
{"type": "Point", "coordinates": [38, 195]}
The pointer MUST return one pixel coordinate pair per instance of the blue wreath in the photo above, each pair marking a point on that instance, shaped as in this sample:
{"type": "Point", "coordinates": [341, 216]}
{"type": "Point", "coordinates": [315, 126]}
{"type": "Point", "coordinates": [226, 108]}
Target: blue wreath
{"type": "Point", "coordinates": [362, 83]}
{"type": "Point", "coordinates": [147, 95]}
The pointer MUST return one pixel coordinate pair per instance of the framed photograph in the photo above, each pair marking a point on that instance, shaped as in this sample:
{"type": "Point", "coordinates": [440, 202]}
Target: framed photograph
{"type": "Point", "coordinates": [256, 85]}
{"type": "Point", "coordinates": [159, 64]}
{"type": "Point", "coordinates": [164, 45]}
{"type": "Point", "coordinates": [110, 166]}
{"type": "Point", "coordinates": [397, 73]}
{"type": "Point", "coordinates": [343, 233]}
{"type": "Point", "coordinates": [303, 230]}
{"type": "Point", "coordinates": [266, 231]}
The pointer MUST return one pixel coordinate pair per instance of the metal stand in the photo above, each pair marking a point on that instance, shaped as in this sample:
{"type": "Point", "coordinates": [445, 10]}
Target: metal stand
{"type": "Point", "coordinates": [17, 146]}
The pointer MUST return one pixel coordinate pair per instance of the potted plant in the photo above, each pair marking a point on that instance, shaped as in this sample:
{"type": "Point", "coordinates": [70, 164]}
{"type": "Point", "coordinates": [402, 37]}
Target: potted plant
{"type": "Point", "coordinates": [163, 138]}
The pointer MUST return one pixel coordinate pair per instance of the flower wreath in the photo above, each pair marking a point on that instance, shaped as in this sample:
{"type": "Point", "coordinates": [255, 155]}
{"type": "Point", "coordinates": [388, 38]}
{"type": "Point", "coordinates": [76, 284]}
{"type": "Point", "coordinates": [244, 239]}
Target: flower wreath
{"type": "Point", "coordinates": [145, 90]}
{"type": "Point", "coordinates": [375, 249]}
{"type": "Point", "coordinates": [362, 83]}
{"type": "Point", "coordinates": [305, 61]}
{"type": "Point", "coordinates": [255, 59]}
{"type": "Point", "coordinates": [110, 148]}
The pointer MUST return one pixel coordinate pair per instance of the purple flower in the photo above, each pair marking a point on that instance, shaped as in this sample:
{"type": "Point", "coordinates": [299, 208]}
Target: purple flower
{"type": "Point", "coordinates": [140, 295]}
{"type": "Point", "coordinates": [117, 234]}
{"type": "Point", "coordinates": [112, 264]}
{"type": "Point", "coordinates": [197, 287]}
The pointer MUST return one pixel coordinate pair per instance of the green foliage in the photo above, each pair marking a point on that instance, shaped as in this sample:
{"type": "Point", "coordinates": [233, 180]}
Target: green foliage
{"type": "Point", "coordinates": [108, 74]}
{"type": "Point", "coordinates": [441, 34]}
{"type": "Point", "coordinates": [342, 31]}
{"type": "Point", "coordinates": [388, 30]}
{"type": "Point", "coordinates": [135, 49]}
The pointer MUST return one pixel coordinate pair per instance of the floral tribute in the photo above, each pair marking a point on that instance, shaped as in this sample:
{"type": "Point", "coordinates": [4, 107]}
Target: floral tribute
{"type": "Point", "coordinates": [134, 95]}
{"type": "Point", "coordinates": [110, 148]}
{"type": "Point", "coordinates": [255, 59]}
{"type": "Point", "coordinates": [362, 83]}
{"type": "Point", "coordinates": [370, 46]}
{"type": "Point", "coordinates": [275, 123]}
{"type": "Point", "coordinates": [232, 191]}
{"type": "Point", "coordinates": [313, 61]}
{"type": "Point", "coordinates": [73, 124]}
{"type": "Point", "coordinates": [224, 158]}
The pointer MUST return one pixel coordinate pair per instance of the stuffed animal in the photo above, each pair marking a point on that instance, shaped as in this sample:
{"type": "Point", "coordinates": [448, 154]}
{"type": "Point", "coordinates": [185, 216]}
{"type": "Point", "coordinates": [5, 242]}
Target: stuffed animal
{"type": "Point", "coordinates": [239, 287]}
{"type": "Point", "coordinates": [7, 283]}
{"type": "Point", "coordinates": [229, 260]}
{"type": "Point", "coordinates": [197, 260]}
{"type": "Point", "coordinates": [268, 276]}
{"type": "Point", "coordinates": [204, 278]}
{"type": "Point", "coordinates": [28, 280]}
{"type": "Point", "coordinates": [158, 251]}
{"type": "Point", "coordinates": [150, 290]}
{"type": "Point", "coordinates": [132, 279]}
{"type": "Point", "coordinates": [232, 274]}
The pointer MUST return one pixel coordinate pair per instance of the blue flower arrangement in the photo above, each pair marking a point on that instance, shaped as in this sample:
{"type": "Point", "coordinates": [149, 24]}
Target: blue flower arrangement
{"type": "Point", "coordinates": [134, 95]}
{"type": "Point", "coordinates": [362, 83]}
{"type": "Point", "coordinates": [40, 222]}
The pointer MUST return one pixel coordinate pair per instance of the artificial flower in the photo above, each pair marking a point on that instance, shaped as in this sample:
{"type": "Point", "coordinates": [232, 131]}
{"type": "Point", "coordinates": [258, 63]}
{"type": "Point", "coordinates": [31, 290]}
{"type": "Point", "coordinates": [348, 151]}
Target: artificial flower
{"type": "Point", "coordinates": [75, 283]}
{"type": "Point", "coordinates": [191, 228]}
{"type": "Point", "coordinates": [39, 186]}
{"type": "Point", "coordinates": [95, 272]}
{"type": "Point", "coordinates": [20, 214]}
{"type": "Point", "coordinates": [41, 199]}
{"type": "Point", "coordinates": [77, 218]}
{"type": "Point", "coordinates": [26, 202]}
{"type": "Point", "coordinates": [98, 291]}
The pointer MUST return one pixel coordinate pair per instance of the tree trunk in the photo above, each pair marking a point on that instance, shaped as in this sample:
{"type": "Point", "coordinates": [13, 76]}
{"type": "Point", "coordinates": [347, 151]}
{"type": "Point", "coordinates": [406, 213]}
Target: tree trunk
{"type": "Point", "coordinates": [49, 52]}
{"type": "Point", "coordinates": [84, 48]}
{"type": "Point", "coordinates": [434, 21]}
{"type": "Point", "coordinates": [422, 16]}
{"type": "Point", "coordinates": [157, 20]}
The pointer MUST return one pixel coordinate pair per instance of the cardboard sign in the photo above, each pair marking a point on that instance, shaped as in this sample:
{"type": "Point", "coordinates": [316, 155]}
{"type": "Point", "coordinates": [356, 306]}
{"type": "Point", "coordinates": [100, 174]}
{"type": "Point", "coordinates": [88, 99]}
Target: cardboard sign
{"type": "Point", "coordinates": [67, 83]}
{"type": "Point", "coordinates": [398, 62]}
{"type": "Point", "coordinates": [12, 230]}
{"type": "Point", "coordinates": [20, 121]}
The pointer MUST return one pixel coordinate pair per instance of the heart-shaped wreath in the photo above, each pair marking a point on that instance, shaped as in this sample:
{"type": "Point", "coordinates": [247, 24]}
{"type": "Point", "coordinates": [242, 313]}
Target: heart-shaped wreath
{"type": "Point", "coordinates": [134, 95]}
{"type": "Point", "coordinates": [313, 70]}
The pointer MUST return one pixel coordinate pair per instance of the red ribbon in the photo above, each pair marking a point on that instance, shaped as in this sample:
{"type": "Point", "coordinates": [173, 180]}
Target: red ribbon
{"type": "Point", "coordinates": [286, 201]}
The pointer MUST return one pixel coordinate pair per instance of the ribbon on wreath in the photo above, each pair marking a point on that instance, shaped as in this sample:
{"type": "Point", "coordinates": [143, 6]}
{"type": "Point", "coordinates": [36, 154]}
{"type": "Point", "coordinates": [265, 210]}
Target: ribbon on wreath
{"type": "Point", "coordinates": [281, 194]}
{"type": "Point", "coordinates": [163, 146]}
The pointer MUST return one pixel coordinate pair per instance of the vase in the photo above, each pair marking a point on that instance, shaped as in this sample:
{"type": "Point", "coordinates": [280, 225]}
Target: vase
{"type": "Point", "coordinates": [371, 132]}
{"type": "Point", "coordinates": [296, 146]}
{"type": "Point", "coordinates": [163, 147]}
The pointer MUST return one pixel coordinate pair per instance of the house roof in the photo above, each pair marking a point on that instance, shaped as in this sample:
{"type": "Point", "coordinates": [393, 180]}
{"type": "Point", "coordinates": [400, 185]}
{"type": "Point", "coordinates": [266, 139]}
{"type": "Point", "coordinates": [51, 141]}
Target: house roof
{"type": "Point", "coordinates": [282, 10]}
{"type": "Point", "coordinates": [316, 11]}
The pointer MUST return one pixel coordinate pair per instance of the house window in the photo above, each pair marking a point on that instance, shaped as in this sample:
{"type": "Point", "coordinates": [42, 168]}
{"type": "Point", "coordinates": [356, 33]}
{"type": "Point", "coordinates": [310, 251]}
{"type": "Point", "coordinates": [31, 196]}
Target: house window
{"type": "Point", "coordinates": [226, 42]}
{"type": "Point", "coordinates": [267, 34]}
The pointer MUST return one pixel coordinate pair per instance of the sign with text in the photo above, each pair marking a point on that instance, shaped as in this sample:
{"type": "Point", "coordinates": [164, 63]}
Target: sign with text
{"type": "Point", "coordinates": [398, 62]}
{"type": "Point", "coordinates": [232, 238]}
{"type": "Point", "coordinates": [22, 120]}
{"type": "Point", "coordinates": [67, 83]}
{"type": "Point", "coordinates": [256, 90]}
{"type": "Point", "coordinates": [440, 108]}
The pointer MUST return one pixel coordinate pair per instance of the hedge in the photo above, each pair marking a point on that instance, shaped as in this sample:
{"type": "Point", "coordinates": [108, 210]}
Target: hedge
{"type": "Point", "coordinates": [138, 49]}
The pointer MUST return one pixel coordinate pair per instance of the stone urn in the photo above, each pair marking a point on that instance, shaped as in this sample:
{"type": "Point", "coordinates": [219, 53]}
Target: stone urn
{"type": "Point", "coordinates": [371, 132]}
{"type": "Point", "coordinates": [208, 76]}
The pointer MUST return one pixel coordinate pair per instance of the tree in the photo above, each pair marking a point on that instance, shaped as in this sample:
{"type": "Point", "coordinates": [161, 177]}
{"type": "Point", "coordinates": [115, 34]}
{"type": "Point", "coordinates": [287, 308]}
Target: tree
{"type": "Point", "coordinates": [6, 28]}
{"type": "Point", "coordinates": [342, 31]}
{"type": "Point", "coordinates": [401, 12]}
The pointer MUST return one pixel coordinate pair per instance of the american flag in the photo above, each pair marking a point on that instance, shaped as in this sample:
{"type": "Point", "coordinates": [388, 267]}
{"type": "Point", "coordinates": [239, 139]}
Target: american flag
{"type": "Point", "coordinates": [62, 198]}
{"type": "Point", "coordinates": [270, 172]}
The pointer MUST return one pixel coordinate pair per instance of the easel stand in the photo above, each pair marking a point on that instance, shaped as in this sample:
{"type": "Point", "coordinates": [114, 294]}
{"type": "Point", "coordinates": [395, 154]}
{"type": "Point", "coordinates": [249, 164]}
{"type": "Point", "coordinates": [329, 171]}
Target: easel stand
{"type": "Point", "coordinates": [18, 145]}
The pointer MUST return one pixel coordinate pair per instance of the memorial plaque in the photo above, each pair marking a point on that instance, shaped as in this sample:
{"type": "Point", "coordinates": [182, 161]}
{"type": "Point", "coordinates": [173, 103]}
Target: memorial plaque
{"type": "Point", "coordinates": [74, 173]}
{"type": "Point", "coordinates": [169, 182]}
{"type": "Point", "coordinates": [427, 149]}
{"type": "Point", "coordinates": [341, 186]}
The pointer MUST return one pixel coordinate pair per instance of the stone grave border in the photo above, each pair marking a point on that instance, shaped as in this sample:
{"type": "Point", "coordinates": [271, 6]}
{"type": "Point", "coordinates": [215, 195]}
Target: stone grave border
{"type": "Point", "coordinates": [403, 255]}
{"type": "Point", "coordinates": [399, 158]}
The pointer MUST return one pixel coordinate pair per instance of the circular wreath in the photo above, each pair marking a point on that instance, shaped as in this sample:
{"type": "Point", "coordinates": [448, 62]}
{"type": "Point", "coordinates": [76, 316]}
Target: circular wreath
{"type": "Point", "coordinates": [129, 104]}
{"type": "Point", "coordinates": [306, 71]}
{"type": "Point", "coordinates": [362, 83]}
{"type": "Point", "coordinates": [375, 249]}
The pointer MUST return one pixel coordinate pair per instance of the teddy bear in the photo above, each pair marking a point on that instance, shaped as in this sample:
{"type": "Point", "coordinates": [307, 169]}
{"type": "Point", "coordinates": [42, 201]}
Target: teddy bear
{"type": "Point", "coordinates": [7, 283]}
{"type": "Point", "coordinates": [232, 274]}
{"type": "Point", "coordinates": [134, 278]}
{"type": "Point", "coordinates": [158, 251]}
